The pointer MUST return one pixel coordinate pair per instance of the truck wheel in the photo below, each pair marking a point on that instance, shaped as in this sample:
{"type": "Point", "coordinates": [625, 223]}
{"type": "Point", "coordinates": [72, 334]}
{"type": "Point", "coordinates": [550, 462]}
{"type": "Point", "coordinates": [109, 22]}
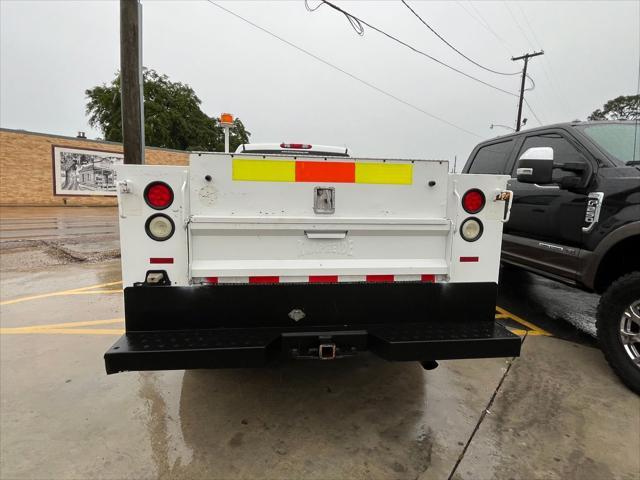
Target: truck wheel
{"type": "Point", "coordinates": [618, 324]}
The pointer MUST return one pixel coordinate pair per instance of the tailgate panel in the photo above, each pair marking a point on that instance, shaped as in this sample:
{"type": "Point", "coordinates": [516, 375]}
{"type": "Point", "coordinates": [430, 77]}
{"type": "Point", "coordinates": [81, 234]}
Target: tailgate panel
{"type": "Point", "coordinates": [280, 195]}
{"type": "Point", "coordinates": [312, 250]}
{"type": "Point", "coordinates": [255, 216]}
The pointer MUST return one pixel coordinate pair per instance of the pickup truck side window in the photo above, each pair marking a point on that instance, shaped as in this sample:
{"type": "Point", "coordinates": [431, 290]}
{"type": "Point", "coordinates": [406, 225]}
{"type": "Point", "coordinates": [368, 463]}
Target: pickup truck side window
{"type": "Point", "coordinates": [492, 158]}
{"type": "Point", "coordinates": [563, 151]}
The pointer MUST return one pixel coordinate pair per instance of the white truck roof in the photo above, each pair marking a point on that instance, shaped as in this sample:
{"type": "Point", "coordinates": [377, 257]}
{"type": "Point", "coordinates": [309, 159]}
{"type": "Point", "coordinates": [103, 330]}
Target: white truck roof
{"type": "Point", "coordinates": [290, 148]}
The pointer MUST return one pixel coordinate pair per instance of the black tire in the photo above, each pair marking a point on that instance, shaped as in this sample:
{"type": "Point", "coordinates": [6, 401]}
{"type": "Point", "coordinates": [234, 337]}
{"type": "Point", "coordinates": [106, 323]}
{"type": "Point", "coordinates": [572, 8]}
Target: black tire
{"type": "Point", "coordinates": [620, 294]}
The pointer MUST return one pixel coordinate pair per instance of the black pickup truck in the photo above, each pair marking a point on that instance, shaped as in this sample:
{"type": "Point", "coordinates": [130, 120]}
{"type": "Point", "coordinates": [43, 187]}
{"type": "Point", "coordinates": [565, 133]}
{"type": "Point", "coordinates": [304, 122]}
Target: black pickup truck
{"type": "Point", "coordinates": [576, 218]}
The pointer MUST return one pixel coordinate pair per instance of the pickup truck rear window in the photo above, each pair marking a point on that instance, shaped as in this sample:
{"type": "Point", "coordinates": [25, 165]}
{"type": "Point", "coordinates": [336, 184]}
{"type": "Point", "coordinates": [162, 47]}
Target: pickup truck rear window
{"type": "Point", "coordinates": [492, 159]}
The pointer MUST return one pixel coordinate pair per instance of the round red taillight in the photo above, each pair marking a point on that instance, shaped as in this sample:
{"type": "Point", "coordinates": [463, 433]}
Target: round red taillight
{"type": "Point", "coordinates": [473, 201]}
{"type": "Point", "coordinates": [158, 195]}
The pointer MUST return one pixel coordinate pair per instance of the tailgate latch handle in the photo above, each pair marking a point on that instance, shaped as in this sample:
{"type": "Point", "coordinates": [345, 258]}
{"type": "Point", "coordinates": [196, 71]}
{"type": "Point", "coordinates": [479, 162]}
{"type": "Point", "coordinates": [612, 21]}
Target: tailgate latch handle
{"type": "Point", "coordinates": [324, 200]}
{"type": "Point", "coordinates": [124, 187]}
{"type": "Point", "coordinates": [505, 196]}
{"type": "Point", "coordinates": [327, 235]}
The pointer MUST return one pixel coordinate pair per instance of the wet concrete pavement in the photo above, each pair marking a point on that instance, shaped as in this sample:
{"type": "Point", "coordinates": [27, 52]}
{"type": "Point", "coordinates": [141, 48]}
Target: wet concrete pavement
{"type": "Point", "coordinates": [559, 414]}
{"type": "Point", "coordinates": [555, 412]}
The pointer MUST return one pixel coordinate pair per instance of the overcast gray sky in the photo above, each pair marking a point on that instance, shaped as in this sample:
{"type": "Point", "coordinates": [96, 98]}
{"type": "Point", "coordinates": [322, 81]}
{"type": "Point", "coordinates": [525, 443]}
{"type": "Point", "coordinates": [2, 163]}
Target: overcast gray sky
{"type": "Point", "coordinates": [52, 51]}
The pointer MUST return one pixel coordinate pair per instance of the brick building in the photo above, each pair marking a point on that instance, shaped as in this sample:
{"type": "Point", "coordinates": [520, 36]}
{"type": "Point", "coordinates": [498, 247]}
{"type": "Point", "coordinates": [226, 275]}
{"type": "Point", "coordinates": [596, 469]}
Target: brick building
{"type": "Point", "coordinates": [27, 169]}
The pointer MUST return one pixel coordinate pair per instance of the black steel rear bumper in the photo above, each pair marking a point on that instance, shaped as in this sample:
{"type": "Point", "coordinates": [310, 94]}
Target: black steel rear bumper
{"type": "Point", "coordinates": [228, 326]}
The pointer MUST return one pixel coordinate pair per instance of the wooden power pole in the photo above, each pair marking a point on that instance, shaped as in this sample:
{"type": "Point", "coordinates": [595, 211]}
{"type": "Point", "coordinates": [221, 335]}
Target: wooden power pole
{"type": "Point", "coordinates": [131, 81]}
{"type": "Point", "coordinates": [526, 58]}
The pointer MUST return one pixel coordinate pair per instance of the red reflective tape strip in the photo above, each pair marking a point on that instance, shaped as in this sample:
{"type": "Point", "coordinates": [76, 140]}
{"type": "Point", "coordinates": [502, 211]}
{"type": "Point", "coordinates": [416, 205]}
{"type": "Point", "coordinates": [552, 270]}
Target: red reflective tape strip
{"type": "Point", "coordinates": [325, 172]}
{"type": "Point", "coordinates": [212, 280]}
{"type": "Point", "coordinates": [379, 278]}
{"type": "Point", "coordinates": [428, 278]}
{"type": "Point", "coordinates": [323, 279]}
{"type": "Point", "coordinates": [469, 259]}
{"type": "Point", "coordinates": [160, 260]}
{"type": "Point", "coordinates": [264, 279]}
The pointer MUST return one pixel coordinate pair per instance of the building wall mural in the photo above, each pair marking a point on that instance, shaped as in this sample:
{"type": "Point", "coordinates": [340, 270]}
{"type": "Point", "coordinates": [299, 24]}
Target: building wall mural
{"type": "Point", "coordinates": [32, 171]}
{"type": "Point", "coordinates": [84, 172]}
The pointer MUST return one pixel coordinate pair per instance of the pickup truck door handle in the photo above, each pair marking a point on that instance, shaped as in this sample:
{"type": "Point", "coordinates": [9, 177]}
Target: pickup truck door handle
{"type": "Point", "coordinates": [511, 183]}
{"type": "Point", "coordinates": [327, 235]}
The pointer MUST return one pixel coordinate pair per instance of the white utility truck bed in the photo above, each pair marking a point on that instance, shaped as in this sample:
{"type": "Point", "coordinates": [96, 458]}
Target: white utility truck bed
{"type": "Point", "coordinates": [240, 259]}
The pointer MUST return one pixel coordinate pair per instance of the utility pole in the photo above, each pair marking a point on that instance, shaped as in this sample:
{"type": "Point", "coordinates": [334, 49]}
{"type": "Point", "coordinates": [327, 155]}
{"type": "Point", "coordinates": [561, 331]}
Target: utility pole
{"type": "Point", "coordinates": [131, 81]}
{"type": "Point", "coordinates": [526, 58]}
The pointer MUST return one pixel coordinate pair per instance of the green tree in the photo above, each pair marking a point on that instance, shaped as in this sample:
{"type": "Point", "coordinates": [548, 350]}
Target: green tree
{"type": "Point", "coordinates": [172, 116]}
{"type": "Point", "coordinates": [620, 108]}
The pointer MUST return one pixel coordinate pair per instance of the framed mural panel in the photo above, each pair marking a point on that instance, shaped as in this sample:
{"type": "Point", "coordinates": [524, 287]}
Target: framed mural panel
{"type": "Point", "coordinates": [82, 171]}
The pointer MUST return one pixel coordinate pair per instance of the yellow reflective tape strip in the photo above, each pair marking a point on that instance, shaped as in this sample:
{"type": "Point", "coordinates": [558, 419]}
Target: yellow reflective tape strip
{"type": "Point", "coordinates": [263, 170]}
{"type": "Point", "coordinates": [384, 173]}
{"type": "Point", "coordinates": [249, 170]}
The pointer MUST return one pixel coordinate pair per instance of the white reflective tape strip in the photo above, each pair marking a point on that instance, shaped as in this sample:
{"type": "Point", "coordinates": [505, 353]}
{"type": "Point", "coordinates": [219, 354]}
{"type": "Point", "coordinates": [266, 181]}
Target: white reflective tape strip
{"type": "Point", "coordinates": [305, 279]}
{"type": "Point", "coordinates": [233, 279]}
{"type": "Point", "coordinates": [294, 279]}
{"type": "Point", "coordinates": [351, 278]}
{"type": "Point", "coordinates": [407, 278]}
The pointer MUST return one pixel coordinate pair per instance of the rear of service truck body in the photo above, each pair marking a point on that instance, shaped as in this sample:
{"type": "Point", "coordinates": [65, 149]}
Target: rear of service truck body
{"type": "Point", "coordinates": [238, 260]}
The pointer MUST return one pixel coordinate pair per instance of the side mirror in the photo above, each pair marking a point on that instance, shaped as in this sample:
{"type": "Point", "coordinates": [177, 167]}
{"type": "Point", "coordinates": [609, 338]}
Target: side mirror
{"type": "Point", "coordinates": [536, 166]}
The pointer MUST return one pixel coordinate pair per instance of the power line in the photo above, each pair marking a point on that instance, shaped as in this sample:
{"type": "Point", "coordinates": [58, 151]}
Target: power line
{"type": "Point", "coordinates": [322, 60]}
{"type": "Point", "coordinates": [527, 38]}
{"type": "Point", "coordinates": [359, 29]}
{"type": "Point", "coordinates": [451, 46]}
{"type": "Point", "coordinates": [524, 34]}
{"type": "Point", "coordinates": [312, 9]}
{"type": "Point", "coordinates": [416, 50]}
{"type": "Point", "coordinates": [525, 58]}
{"type": "Point", "coordinates": [483, 22]}
{"type": "Point", "coordinates": [533, 33]}
{"type": "Point", "coordinates": [533, 84]}
{"type": "Point", "coordinates": [533, 113]}
{"type": "Point", "coordinates": [547, 71]}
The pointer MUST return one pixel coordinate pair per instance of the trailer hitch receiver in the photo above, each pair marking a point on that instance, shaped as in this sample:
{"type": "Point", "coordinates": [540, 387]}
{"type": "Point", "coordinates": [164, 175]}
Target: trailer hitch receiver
{"type": "Point", "coordinates": [327, 351]}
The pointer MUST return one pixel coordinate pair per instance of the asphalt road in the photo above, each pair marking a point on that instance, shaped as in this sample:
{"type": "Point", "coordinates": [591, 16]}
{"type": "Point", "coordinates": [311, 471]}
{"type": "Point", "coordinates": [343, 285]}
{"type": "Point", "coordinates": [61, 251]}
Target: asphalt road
{"type": "Point", "coordinates": [37, 223]}
{"type": "Point", "coordinates": [556, 412]}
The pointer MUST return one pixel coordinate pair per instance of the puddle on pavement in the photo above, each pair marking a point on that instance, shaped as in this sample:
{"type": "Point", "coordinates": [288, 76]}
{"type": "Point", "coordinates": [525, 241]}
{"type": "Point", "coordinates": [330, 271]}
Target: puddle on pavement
{"type": "Point", "coordinates": [361, 417]}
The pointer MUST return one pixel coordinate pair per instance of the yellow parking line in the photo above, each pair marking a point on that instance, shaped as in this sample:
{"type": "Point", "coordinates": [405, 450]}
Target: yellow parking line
{"type": "Point", "coordinates": [73, 291]}
{"type": "Point", "coordinates": [100, 285]}
{"type": "Point", "coordinates": [522, 321]}
{"type": "Point", "coordinates": [92, 292]}
{"type": "Point", "coordinates": [85, 323]}
{"type": "Point", "coordinates": [63, 331]}
{"type": "Point", "coordinates": [68, 328]}
{"type": "Point", "coordinates": [522, 332]}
